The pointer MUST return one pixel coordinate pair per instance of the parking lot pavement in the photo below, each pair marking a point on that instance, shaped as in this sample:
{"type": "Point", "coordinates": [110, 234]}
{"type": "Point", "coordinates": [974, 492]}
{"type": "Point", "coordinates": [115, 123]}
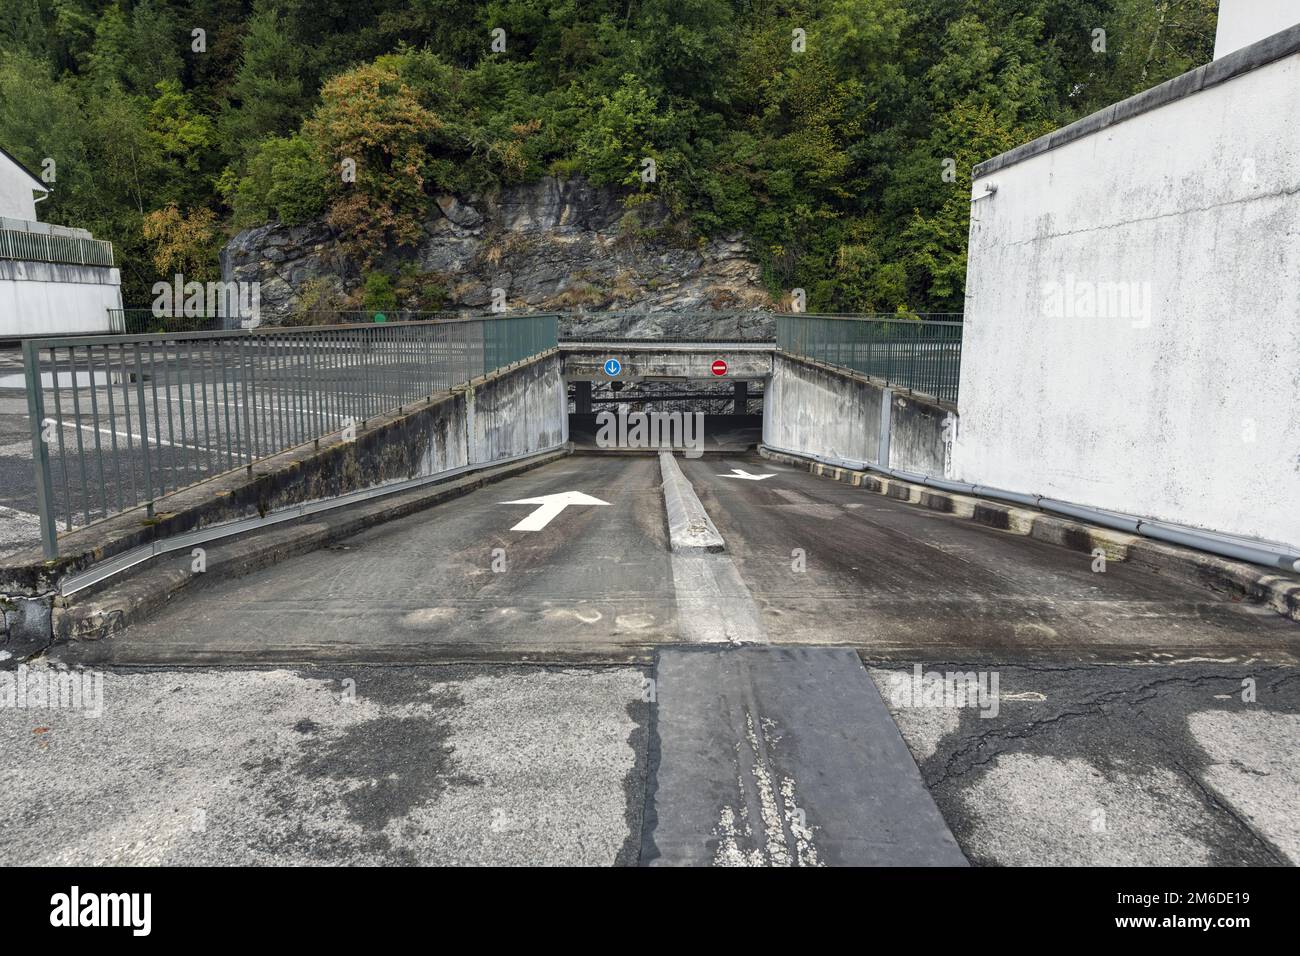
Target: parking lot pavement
{"type": "Point", "coordinates": [1110, 765]}
{"type": "Point", "coordinates": [370, 765]}
{"type": "Point", "coordinates": [19, 526]}
{"type": "Point", "coordinates": [1085, 765]}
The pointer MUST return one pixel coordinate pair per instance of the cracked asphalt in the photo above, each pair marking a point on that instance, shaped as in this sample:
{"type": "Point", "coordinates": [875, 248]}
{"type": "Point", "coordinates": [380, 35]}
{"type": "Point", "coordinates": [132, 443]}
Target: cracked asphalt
{"type": "Point", "coordinates": [1112, 765]}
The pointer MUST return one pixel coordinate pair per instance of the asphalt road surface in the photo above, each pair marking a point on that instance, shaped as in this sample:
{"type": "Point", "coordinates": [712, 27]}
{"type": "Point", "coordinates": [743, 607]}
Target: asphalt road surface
{"type": "Point", "coordinates": [828, 563]}
{"type": "Point", "coordinates": [355, 766]}
{"type": "Point", "coordinates": [453, 583]}
{"type": "Point", "coordinates": [1125, 717]}
{"type": "Point", "coordinates": [820, 561]}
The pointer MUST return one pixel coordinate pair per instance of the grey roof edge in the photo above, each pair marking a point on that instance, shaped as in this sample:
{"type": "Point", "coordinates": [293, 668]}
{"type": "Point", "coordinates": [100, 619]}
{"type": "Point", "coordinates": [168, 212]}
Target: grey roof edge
{"type": "Point", "coordinates": [1252, 57]}
{"type": "Point", "coordinates": [14, 159]}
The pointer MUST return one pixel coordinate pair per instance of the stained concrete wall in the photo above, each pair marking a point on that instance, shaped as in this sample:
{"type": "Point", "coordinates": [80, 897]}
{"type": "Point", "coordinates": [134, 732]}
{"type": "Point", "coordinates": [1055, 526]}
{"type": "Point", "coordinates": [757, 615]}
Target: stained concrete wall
{"type": "Point", "coordinates": [920, 436]}
{"type": "Point", "coordinates": [1131, 334]}
{"type": "Point", "coordinates": [815, 410]}
{"type": "Point", "coordinates": [825, 412]}
{"type": "Point", "coordinates": [517, 413]}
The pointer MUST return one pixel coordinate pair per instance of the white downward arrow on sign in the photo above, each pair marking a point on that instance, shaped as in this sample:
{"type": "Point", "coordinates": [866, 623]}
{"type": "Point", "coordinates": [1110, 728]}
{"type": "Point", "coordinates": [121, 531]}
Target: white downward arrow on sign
{"type": "Point", "coordinates": [550, 506]}
{"type": "Point", "coordinates": [742, 473]}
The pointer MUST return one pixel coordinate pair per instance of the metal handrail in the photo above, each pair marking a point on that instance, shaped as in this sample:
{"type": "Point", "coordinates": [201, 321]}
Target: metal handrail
{"type": "Point", "coordinates": [923, 355]}
{"type": "Point", "coordinates": [123, 420]}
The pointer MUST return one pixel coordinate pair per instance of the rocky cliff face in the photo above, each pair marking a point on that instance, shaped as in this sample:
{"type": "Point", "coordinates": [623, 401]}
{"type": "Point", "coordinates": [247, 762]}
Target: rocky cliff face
{"type": "Point", "coordinates": [551, 245]}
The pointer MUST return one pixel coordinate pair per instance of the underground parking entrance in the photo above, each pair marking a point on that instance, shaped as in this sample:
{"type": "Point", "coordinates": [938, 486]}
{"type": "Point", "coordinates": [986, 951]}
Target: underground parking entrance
{"type": "Point", "coordinates": [695, 398]}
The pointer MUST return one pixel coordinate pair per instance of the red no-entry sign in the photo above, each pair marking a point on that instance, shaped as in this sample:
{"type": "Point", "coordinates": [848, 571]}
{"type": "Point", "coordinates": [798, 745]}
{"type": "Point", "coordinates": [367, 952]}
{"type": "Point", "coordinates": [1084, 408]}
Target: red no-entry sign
{"type": "Point", "coordinates": [719, 367]}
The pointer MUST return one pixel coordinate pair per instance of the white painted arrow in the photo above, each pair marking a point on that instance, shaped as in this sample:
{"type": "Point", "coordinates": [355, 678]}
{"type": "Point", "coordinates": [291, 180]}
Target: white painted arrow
{"type": "Point", "coordinates": [551, 505]}
{"type": "Point", "coordinates": [742, 473]}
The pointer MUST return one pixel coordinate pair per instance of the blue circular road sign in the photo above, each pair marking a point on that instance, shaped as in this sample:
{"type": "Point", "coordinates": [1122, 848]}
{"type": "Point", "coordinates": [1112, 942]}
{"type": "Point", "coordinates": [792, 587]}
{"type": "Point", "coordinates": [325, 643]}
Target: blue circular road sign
{"type": "Point", "coordinates": [613, 367]}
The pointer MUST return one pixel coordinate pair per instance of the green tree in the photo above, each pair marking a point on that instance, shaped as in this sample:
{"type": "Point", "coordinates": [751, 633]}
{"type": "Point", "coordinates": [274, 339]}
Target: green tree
{"type": "Point", "coordinates": [380, 296]}
{"type": "Point", "coordinates": [267, 97]}
{"type": "Point", "coordinates": [371, 126]}
{"type": "Point", "coordinates": [287, 179]}
{"type": "Point", "coordinates": [22, 28]}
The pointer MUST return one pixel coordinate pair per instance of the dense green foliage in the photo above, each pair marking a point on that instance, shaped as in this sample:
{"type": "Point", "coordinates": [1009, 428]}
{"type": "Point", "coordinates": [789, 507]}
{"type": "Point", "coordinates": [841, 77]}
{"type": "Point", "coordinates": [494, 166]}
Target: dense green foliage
{"type": "Point", "coordinates": [831, 160]}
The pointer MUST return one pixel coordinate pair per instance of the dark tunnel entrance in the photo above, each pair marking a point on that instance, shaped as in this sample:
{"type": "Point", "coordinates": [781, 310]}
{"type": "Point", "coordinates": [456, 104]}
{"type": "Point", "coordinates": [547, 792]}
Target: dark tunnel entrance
{"type": "Point", "coordinates": [690, 415]}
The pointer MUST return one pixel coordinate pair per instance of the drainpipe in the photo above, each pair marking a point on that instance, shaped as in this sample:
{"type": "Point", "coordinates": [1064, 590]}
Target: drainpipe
{"type": "Point", "coordinates": [1239, 549]}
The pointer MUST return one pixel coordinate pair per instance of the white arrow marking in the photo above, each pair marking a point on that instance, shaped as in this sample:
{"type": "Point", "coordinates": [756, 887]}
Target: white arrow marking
{"type": "Point", "coordinates": [551, 505]}
{"type": "Point", "coordinates": [742, 473]}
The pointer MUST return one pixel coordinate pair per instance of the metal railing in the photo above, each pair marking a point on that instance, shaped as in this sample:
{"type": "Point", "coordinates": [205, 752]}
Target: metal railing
{"type": "Point", "coordinates": [44, 247]}
{"type": "Point", "coordinates": [922, 354]}
{"type": "Point", "coordinates": [145, 322]}
{"type": "Point", "coordinates": [123, 420]}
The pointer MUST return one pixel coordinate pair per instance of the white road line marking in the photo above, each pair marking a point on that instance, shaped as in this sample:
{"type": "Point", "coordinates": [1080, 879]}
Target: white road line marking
{"type": "Point", "coordinates": [152, 441]}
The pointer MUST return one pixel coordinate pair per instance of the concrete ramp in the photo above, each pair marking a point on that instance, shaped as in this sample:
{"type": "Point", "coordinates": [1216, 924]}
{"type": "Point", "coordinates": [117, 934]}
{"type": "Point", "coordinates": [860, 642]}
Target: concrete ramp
{"type": "Point", "coordinates": [782, 756]}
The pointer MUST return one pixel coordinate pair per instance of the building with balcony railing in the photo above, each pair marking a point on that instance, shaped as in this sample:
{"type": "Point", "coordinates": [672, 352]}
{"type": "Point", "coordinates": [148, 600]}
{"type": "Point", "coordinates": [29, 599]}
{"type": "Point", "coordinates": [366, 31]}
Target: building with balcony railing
{"type": "Point", "coordinates": [53, 279]}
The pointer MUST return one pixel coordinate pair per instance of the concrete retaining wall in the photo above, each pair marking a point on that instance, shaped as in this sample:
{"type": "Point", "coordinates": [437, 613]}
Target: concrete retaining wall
{"type": "Point", "coordinates": [817, 410]}
{"type": "Point", "coordinates": [513, 412]}
{"type": "Point", "coordinates": [518, 413]}
{"type": "Point", "coordinates": [827, 412]}
{"type": "Point", "coordinates": [918, 441]}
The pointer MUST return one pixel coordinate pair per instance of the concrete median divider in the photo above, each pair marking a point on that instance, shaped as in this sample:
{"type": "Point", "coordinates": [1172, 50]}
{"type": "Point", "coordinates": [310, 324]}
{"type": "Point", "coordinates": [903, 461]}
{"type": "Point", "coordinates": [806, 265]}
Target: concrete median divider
{"type": "Point", "coordinates": [490, 428]}
{"type": "Point", "coordinates": [689, 527]}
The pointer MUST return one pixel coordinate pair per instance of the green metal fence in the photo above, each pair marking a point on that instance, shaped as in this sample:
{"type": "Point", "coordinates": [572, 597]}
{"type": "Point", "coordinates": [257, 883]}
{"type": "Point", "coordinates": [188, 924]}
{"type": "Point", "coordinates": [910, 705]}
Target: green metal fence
{"type": "Point", "coordinates": [145, 322]}
{"type": "Point", "coordinates": [922, 354]}
{"type": "Point", "coordinates": [44, 247]}
{"type": "Point", "coordinates": [123, 420]}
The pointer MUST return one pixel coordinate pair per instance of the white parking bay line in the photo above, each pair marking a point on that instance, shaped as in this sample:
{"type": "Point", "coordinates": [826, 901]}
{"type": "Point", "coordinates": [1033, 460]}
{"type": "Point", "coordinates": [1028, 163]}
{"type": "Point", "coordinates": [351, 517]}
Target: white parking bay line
{"type": "Point", "coordinates": [152, 441]}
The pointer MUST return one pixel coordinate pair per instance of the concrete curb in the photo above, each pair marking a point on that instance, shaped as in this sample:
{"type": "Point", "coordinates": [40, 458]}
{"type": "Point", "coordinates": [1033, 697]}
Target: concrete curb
{"type": "Point", "coordinates": [1256, 584]}
{"type": "Point", "coordinates": [94, 615]}
{"type": "Point", "coordinates": [689, 525]}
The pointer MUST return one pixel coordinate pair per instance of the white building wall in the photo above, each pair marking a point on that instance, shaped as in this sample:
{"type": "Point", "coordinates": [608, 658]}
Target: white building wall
{"type": "Point", "coordinates": [1243, 22]}
{"type": "Point", "coordinates": [1190, 413]}
{"type": "Point", "coordinates": [17, 199]}
{"type": "Point", "coordinates": [42, 298]}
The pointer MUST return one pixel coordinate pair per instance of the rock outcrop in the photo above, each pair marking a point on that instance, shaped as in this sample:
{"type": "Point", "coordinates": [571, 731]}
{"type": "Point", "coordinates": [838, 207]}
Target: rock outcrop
{"type": "Point", "coordinates": [550, 245]}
